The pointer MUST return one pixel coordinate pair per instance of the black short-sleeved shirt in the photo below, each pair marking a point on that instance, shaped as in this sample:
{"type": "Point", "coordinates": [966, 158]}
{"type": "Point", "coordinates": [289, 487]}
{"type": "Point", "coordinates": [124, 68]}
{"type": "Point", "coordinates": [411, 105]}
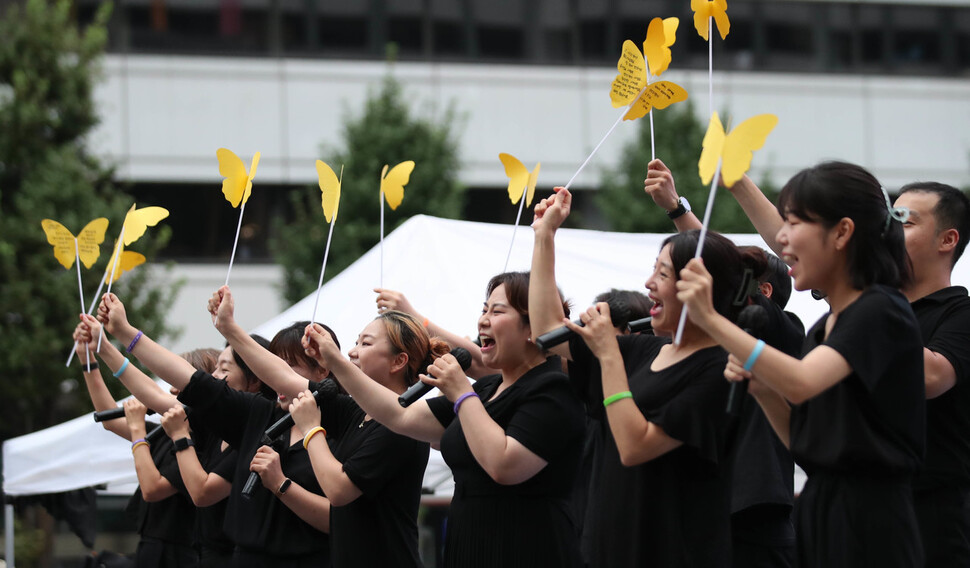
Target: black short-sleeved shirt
{"type": "Point", "coordinates": [944, 321]}
{"type": "Point", "coordinates": [172, 519]}
{"type": "Point", "coordinates": [261, 524]}
{"type": "Point", "coordinates": [526, 524]}
{"type": "Point", "coordinates": [762, 466]}
{"type": "Point", "coordinates": [673, 510]}
{"type": "Point", "coordinates": [389, 469]}
{"type": "Point", "coordinates": [873, 422]}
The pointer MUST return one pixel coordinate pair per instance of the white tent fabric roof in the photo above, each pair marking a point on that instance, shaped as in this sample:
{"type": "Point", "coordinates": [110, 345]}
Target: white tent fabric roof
{"type": "Point", "coordinates": [441, 265]}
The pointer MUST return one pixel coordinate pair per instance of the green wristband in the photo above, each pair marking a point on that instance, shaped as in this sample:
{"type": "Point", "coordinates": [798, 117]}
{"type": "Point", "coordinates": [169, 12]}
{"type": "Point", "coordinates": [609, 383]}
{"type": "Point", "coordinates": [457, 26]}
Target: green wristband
{"type": "Point", "coordinates": [615, 397]}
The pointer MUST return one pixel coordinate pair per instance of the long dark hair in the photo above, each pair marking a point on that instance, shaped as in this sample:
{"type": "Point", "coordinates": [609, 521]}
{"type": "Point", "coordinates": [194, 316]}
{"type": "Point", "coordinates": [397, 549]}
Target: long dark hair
{"type": "Point", "coordinates": [832, 191]}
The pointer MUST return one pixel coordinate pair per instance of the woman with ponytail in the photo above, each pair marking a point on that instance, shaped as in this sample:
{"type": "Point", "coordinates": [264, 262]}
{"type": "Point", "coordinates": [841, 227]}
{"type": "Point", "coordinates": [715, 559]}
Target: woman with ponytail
{"type": "Point", "coordinates": [512, 440]}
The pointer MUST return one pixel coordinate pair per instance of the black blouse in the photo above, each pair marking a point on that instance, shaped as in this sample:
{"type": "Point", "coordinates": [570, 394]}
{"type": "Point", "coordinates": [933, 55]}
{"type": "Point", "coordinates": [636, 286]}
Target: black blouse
{"type": "Point", "coordinates": [379, 528]}
{"type": "Point", "coordinates": [873, 422]}
{"type": "Point", "coordinates": [261, 524]}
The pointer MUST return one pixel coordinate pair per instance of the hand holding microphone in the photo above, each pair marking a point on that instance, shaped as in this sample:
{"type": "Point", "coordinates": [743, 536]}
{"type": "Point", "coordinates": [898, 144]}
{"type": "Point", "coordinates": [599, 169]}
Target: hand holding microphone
{"type": "Point", "coordinates": [419, 389]}
{"type": "Point", "coordinates": [323, 391]}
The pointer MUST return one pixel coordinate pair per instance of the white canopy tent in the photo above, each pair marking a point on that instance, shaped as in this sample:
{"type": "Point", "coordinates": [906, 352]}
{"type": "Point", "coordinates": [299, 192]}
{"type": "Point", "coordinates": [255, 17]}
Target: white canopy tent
{"type": "Point", "coordinates": [441, 265]}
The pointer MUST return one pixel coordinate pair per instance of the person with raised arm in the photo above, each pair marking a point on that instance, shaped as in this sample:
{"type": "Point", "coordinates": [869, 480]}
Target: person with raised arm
{"type": "Point", "coordinates": [512, 440]}
{"type": "Point", "coordinates": [161, 505]}
{"type": "Point", "coordinates": [283, 525]}
{"type": "Point", "coordinates": [856, 423]}
{"type": "Point", "coordinates": [371, 475]}
{"type": "Point", "coordinates": [662, 481]}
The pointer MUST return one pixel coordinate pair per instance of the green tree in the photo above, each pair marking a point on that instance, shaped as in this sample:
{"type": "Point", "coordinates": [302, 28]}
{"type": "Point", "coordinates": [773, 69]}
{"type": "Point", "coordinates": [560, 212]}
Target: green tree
{"type": "Point", "coordinates": [385, 133]}
{"type": "Point", "coordinates": [47, 71]}
{"type": "Point", "coordinates": [678, 135]}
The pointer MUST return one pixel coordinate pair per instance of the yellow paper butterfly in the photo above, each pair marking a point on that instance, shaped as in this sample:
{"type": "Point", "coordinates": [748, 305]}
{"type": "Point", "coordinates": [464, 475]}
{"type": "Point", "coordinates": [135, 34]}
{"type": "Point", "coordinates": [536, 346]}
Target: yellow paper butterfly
{"type": "Point", "coordinates": [330, 187]}
{"type": "Point", "coordinates": [704, 9]}
{"type": "Point", "coordinates": [88, 240]}
{"type": "Point", "coordinates": [632, 78]}
{"type": "Point", "coordinates": [661, 34]}
{"type": "Point", "coordinates": [238, 184]}
{"type": "Point", "coordinates": [137, 221]}
{"type": "Point", "coordinates": [522, 182]}
{"type": "Point", "coordinates": [393, 182]}
{"type": "Point", "coordinates": [128, 261]}
{"type": "Point", "coordinates": [735, 149]}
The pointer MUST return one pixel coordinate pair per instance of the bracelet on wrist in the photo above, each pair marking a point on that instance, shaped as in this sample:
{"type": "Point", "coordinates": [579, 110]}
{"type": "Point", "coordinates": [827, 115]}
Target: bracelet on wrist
{"type": "Point", "coordinates": [615, 397]}
{"type": "Point", "coordinates": [463, 398]}
{"type": "Point", "coordinates": [313, 432]}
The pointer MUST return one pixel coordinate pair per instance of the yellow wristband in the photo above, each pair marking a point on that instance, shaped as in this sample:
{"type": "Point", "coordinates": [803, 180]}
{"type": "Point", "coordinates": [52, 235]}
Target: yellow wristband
{"type": "Point", "coordinates": [139, 443]}
{"type": "Point", "coordinates": [313, 432]}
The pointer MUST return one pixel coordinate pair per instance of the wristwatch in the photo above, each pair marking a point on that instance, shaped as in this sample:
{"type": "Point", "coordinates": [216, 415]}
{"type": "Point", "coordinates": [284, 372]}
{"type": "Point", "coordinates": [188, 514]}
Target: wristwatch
{"type": "Point", "coordinates": [183, 444]}
{"type": "Point", "coordinates": [284, 486]}
{"type": "Point", "coordinates": [683, 206]}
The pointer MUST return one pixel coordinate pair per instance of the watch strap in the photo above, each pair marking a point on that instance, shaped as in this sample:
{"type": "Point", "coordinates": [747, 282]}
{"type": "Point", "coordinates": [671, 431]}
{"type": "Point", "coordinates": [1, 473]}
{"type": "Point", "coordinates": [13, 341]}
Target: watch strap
{"type": "Point", "coordinates": [284, 486]}
{"type": "Point", "coordinates": [183, 444]}
{"type": "Point", "coordinates": [678, 211]}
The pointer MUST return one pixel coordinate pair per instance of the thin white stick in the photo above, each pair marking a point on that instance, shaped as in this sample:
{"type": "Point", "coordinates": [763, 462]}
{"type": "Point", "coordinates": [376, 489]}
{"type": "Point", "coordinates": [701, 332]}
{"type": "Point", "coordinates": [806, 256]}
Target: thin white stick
{"type": "Point", "coordinates": [607, 135]}
{"type": "Point", "coordinates": [90, 309]}
{"type": "Point", "coordinates": [326, 251]}
{"type": "Point", "coordinates": [710, 65]}
{"type": "Point", "coordinates": [700, 244]}
{"type": "Point", "coordinates": [80, 290]}
{"type": "Point", "coordinates": [236, 242]}
{"type": "Point", "coordinates": [514, 229]}
{"type": "Point", "coordinates": [382, 238]}
{"type": "Point", "coordinates": [653, 147]}
{"type": "Point", "coordinates": [114, 266]}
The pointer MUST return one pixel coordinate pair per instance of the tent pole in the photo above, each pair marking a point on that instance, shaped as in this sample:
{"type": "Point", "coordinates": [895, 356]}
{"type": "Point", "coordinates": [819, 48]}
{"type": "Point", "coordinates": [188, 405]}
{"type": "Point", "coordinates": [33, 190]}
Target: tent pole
{"type": "Point", "coordinates": [8, 534]}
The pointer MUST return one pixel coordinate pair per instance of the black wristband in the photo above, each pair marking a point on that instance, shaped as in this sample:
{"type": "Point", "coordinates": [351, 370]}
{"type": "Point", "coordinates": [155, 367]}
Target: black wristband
{"type": "Point", "coordinates": [183, 444]}
{"type": "Point", "coordinates": [678, 212]}
{"type": "Point", "coordinates": [284, 486]}
{"type": "Point", "coordinates": [88, 367]}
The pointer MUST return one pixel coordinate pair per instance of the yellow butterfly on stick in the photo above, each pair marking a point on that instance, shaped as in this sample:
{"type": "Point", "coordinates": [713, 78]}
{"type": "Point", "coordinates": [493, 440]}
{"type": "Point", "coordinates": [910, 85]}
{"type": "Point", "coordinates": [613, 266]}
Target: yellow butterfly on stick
{"type": "Point", "coordinates": [238, 184]}
{"type": "Point", "coordinates": [661, 34]}
{"type": "Point", "coordinates": [735, 150]}
{"type": "Point", "coordinates": [88, 240]}
{"type": "Point", "coordinates": [632, 78]}
{"type": "Point", "coordinates": [126, 263]}
{"type": "Point", "coordinates": [704, 10]}
{"type": "Point", "coordinates": [137, 221]}
{"type": "Point", "coordinates": [393, 182]}
{"type": "Point", "coordinates": [330, 189]}
{"type": "Point", "coordinates": [522, 182]}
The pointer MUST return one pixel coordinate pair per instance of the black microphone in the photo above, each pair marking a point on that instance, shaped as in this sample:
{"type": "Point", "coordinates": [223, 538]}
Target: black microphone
{"type": "Point", "coordinates": [753, 320]}
{"type": "Point", "coordinates": [419, 389]}
{"type": "Point", "coordinates": [323, 391]}
{"type": "Point", "coordinates": [642, 324]}
{"type": "Point", "coordinates": [563, 334]}
{"type": "Point", "coordinates": [103, 415]}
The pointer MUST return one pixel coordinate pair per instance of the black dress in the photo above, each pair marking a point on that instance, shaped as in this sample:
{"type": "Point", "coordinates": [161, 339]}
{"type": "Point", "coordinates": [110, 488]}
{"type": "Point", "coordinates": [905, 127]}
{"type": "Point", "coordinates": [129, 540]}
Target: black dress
{"type": "Point", "coordinates": [861, 441]}
{"type": "Point", "coordinates": [528, 524]}
{"type": "Point", "coordinates": [265, 531]}
{"type": "Point", "coordinates": [762, 487]}
{"type": "Point", "coordinates": [166, 526]}
{"type": "Point", "coordinates": [380, 527]}
{"type": "Point", "coordinates": [673, 510]}
{"type": "Point", "coordinates": [942, 487]}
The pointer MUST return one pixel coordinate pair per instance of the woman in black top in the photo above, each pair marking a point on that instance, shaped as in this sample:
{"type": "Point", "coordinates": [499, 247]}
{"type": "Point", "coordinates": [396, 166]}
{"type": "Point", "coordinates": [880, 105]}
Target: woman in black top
{"type": "Point", "coordinates": [512, 440]}
{"type": "Point", "coordinates": [206, 468]}
{"type": "Point", "coordinates": [858, 416]}
{"type": "Point", "coordinates": [161, 506]}
{"type": "Point", "coordinates": [663, 486]}
{"type": "Point", "coordinates": [371, 475]}
{"type": "Point", "coordinates": [285, 525]}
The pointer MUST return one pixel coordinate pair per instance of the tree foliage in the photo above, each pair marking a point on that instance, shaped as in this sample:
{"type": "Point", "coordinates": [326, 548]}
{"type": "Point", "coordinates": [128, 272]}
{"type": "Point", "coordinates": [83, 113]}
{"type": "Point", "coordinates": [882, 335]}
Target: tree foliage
{"type": "Point", "coordinates": [678, 135]}
{"type": "Point", "coordinates": [48, 68]}
{"type": "Point", "coordinates": [385, 133]}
